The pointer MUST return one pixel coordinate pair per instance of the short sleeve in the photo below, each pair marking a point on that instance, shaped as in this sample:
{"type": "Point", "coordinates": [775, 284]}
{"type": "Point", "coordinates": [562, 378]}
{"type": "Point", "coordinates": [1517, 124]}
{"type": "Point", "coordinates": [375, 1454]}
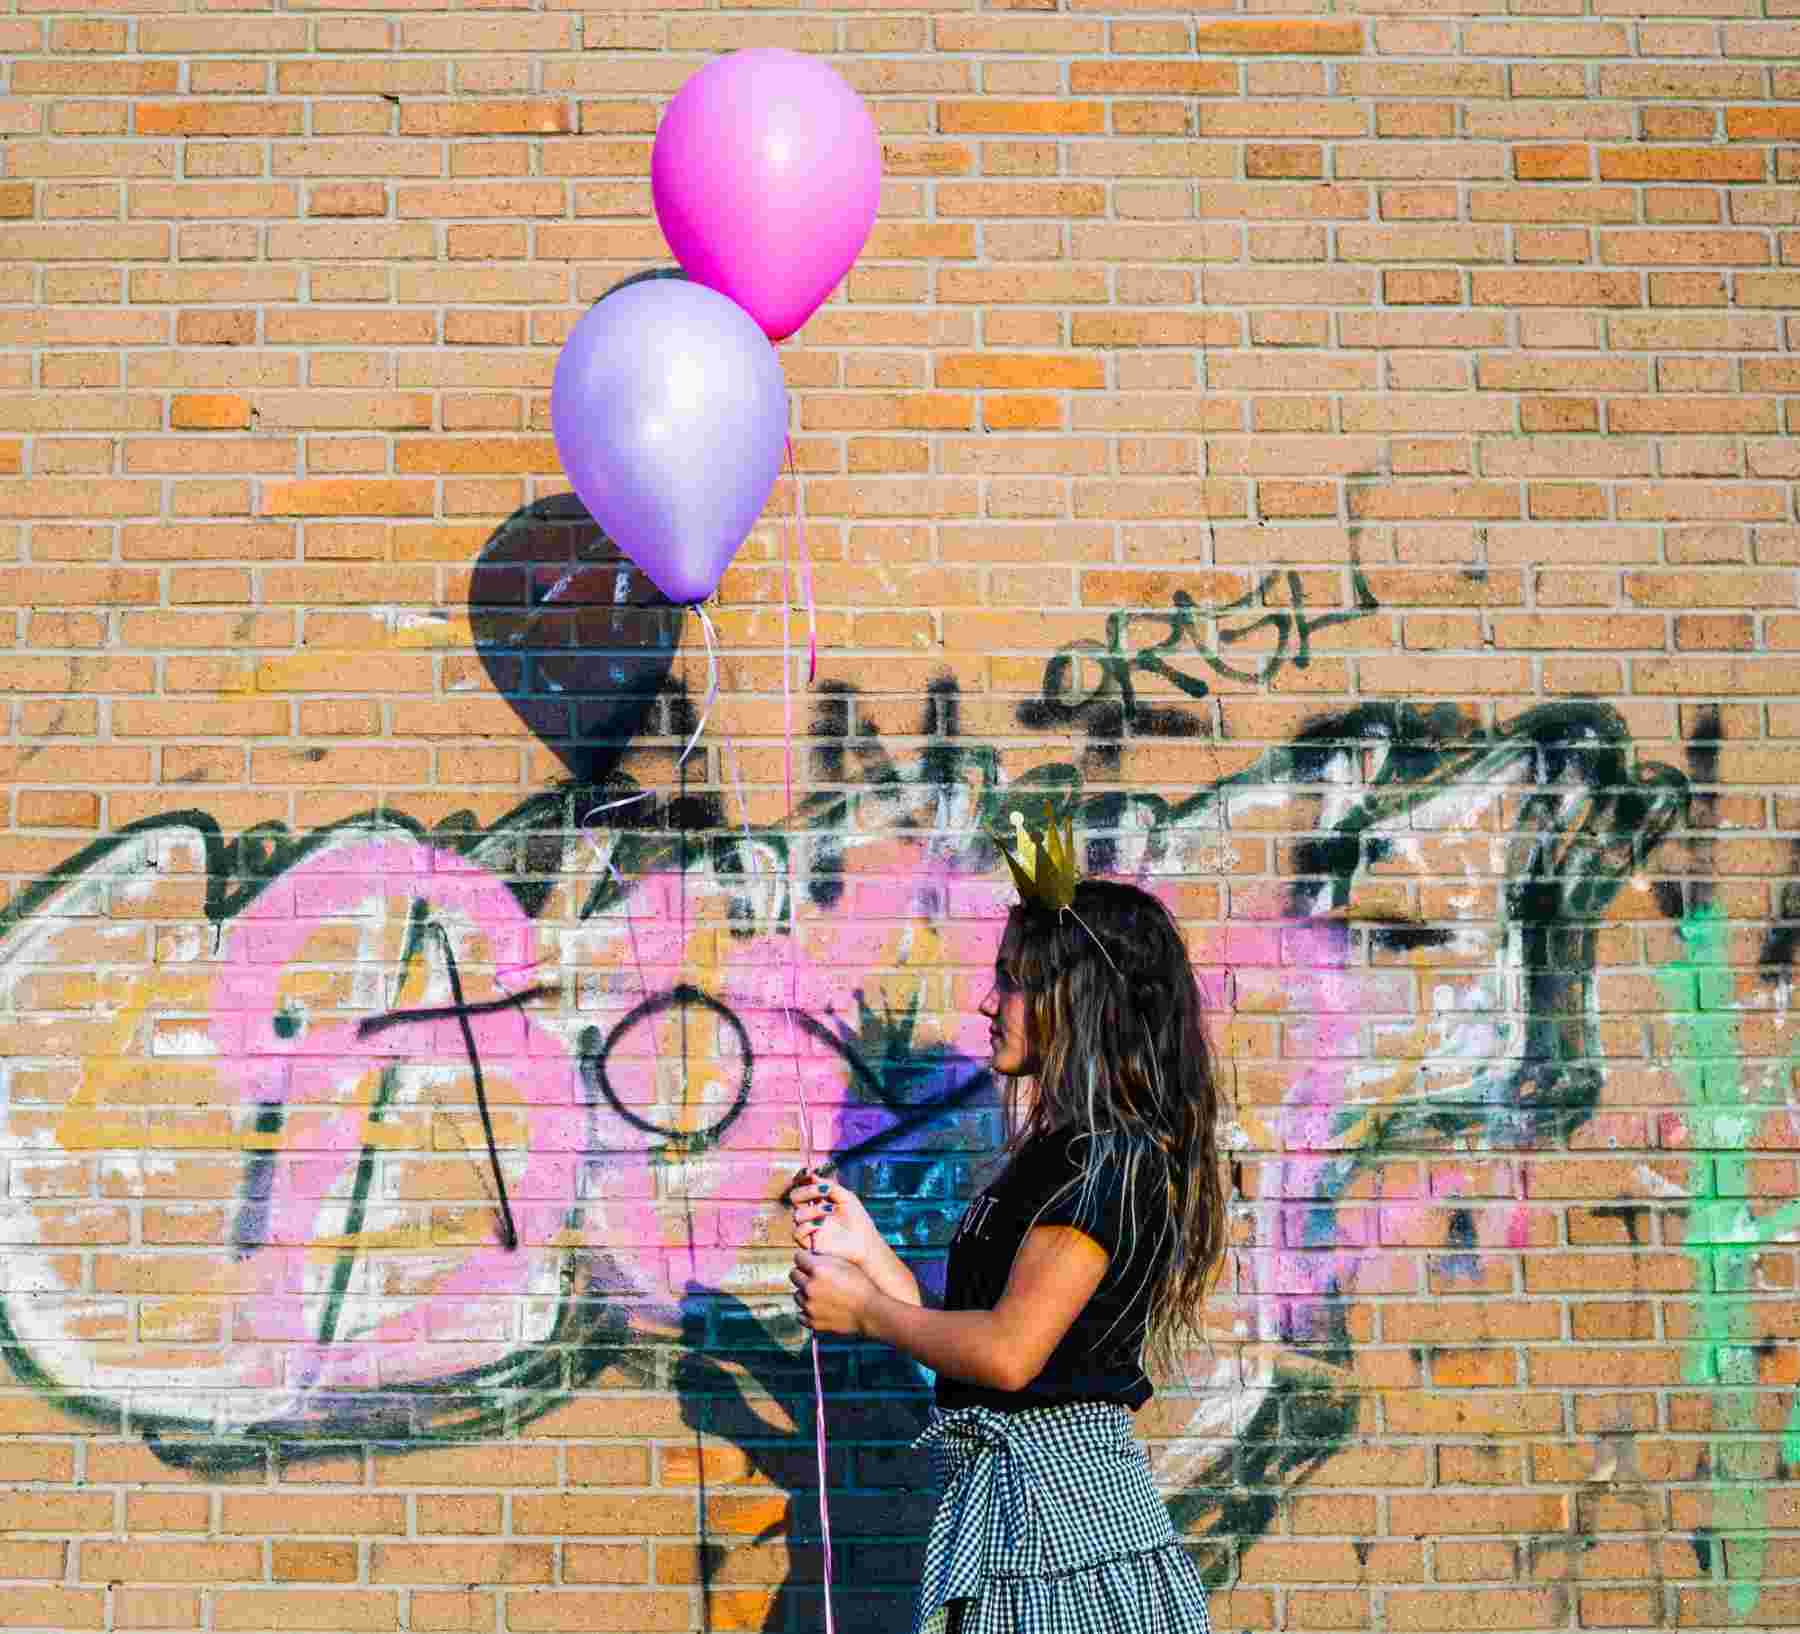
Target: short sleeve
{"type": "Point", "coordinates": [1094, 1202]}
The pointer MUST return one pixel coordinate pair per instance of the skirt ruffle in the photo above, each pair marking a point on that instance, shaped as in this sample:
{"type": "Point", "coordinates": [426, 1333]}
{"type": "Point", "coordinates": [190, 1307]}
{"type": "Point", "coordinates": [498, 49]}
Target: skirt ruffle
{"type": "Point", "coordinates": [1155, 1591]}
{"type": "Point", "coordinates": [1050, 1524]}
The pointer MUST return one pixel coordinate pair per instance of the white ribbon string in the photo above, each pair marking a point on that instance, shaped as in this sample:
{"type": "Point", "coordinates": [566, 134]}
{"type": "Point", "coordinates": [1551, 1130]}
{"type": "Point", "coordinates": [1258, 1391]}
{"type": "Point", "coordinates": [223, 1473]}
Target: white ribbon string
{"type": "Point", "coordinates": [712, 681]}
{"type": "Point", "coordinates": [610, 805]}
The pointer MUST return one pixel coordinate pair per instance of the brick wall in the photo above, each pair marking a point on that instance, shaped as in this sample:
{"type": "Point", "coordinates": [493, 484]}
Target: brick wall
{"type": "Point", "coordinates": [1345, 461]}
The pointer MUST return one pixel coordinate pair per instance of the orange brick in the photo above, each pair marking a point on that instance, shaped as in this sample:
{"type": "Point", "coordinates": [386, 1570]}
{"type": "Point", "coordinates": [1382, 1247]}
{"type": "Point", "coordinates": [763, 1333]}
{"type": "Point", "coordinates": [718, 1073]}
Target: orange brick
{"type": "Point", "coordinates": [48, 808]}
{"type": "Point", "coordinates": [208, 118]}
{"type": "Point", "coordinates": [197, 413]}
{"type": "Point", "coordinates": [584, 1513]}
{"type": "Point", "coordinates": [1563, 162]}
{"type": "Point", "coordinates": [76, 34]}
{"type": "Point", "coordinates": [1146, 77]}
{"type": "Point", "coordinates": [990, 116]}
{"type": "Point", "coordinates": [1657, 164]}
{"type": "Point", "coordinates": [460, 455]}
{"type": "Point", "coordinates": [313, 1562]}
{"type": "Point", "coordinates": [1560, 288]}
{"type": "Point", "coordinates": [1774, 124]}
{"type": "Point", "coordinates": [369, 497]}
{"type": "Point", "coordinates": [1043, 371]}
{"type": "Point", "coordinates": [1279, 36]}
{"type": "Point", "coordinates": [1021, 412]}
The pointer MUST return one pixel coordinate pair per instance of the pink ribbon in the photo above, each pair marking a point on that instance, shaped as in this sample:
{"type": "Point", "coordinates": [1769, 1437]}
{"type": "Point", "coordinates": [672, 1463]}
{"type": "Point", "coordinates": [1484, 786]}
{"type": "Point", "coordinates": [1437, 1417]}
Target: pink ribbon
{"type": "Point", "coordinates": [787, 781]}
{"type": "Point", "coordinates": [806, 578]}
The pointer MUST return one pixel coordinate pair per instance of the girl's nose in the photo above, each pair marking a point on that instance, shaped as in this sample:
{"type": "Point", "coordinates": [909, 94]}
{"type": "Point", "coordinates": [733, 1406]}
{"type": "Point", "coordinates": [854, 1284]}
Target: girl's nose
{"type": "Point", "coordinates": [990, 1005]}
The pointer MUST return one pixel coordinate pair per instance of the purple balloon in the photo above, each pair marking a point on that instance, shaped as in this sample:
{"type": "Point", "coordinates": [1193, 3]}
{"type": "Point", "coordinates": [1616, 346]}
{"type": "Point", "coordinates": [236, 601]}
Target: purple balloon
{"type": "Point", "coordinates": [670, 416]}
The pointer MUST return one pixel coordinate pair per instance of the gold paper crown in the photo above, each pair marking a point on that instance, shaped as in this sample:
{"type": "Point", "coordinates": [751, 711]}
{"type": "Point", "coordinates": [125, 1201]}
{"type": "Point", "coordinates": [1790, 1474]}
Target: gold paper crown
{"type": "Point", "coordinates": [1043, 866]}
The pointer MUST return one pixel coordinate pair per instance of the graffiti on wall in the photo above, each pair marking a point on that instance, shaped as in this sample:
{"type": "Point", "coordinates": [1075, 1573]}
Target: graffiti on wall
{"type": "Point", "coordinates": [1735, 1068]}
{"type": "Point", "coordinates": [398, 1134]}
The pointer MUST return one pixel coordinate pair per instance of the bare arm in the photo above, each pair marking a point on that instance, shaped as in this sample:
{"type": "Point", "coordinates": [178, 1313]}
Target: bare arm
{"type": "Point", "coordinates": [894, 1277]}
{"type": "Point", "coordinates": [1055, 1275]}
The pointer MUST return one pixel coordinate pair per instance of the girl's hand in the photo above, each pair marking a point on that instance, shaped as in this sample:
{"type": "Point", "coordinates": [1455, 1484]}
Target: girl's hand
{"type": "Point", "coordinates": [829, 1218]}
{"type": "Point", "coordinates": [832, 1294]}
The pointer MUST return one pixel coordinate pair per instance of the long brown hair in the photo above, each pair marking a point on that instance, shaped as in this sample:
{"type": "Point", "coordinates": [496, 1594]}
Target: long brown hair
{"type": "Point", "coordinates": [1116, 1024]}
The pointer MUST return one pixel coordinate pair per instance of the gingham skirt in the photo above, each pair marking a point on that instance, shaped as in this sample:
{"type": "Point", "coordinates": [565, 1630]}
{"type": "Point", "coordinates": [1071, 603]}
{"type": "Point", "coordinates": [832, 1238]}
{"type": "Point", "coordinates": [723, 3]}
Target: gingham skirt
{"type": "Point", "coordinates": [1049, 1524]}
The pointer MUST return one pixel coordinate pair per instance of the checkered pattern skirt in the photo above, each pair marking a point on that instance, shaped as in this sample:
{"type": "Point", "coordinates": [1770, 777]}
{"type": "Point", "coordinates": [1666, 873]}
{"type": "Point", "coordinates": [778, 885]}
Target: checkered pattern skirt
{"type": "Point", "coordinates": [1050, 1524]}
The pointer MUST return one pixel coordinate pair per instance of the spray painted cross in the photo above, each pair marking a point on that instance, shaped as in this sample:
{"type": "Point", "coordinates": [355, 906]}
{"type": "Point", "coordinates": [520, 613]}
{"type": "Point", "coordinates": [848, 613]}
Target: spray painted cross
{"type": "Point", "coordinates": [338, 1266]}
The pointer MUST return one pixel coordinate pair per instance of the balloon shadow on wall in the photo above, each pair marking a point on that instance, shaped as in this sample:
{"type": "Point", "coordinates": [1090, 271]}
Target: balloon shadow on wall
{"type": "Point", "coordinates": [575, 639]}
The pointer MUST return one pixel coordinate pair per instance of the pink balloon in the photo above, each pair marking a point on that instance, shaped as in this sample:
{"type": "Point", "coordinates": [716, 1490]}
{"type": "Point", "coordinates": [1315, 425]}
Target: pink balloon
{"type": "Point", "coordinates": [766, 175]}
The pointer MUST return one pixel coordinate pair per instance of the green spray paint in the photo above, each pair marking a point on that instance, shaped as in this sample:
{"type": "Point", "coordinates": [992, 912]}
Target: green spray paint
{"type": "Point", "coordinates": [1723, 1238]}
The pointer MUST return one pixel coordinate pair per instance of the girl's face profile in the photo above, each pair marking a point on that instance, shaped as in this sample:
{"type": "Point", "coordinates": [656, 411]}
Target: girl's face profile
{"type": "Point", "coordinates": [1009, 1029]}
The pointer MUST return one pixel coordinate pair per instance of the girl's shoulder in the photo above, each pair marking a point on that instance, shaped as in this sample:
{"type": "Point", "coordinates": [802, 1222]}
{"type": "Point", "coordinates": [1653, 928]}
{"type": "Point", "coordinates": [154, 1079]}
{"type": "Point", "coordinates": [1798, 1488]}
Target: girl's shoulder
{"type": "Point", "coordinates": [1088, 1147]}
{"type": "Point", "coordinates": [1072, 1155]}
{"type": "Point", "coordinates": [1037, 1158]}
{"type": "Point", "coordinates": [1068, 1143]}
{"type": "Point", "coordinates": [1070, 1152]}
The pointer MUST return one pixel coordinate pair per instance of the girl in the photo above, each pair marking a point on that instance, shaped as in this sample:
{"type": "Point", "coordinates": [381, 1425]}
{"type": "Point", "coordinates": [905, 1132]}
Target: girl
{"type": "Point", "coordinates": [1093, 1247]}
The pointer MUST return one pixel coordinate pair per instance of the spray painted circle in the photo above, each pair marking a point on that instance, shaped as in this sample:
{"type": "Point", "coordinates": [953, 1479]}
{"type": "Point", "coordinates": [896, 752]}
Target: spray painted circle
{"type": "Point", "coordinates": [595, 1055]}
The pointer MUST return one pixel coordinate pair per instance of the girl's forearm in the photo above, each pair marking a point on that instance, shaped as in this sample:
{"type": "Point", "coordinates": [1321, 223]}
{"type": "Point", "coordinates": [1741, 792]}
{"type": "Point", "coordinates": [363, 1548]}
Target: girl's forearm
{"type": "Point", "coordinates": [893, 1276]}
{"type": "Point", "coordinates": [968, 1345]}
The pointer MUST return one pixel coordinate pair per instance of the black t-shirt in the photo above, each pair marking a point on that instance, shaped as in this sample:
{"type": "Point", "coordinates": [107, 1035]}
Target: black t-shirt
{"type": "Point", "coordinates": [1097, 1359]}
